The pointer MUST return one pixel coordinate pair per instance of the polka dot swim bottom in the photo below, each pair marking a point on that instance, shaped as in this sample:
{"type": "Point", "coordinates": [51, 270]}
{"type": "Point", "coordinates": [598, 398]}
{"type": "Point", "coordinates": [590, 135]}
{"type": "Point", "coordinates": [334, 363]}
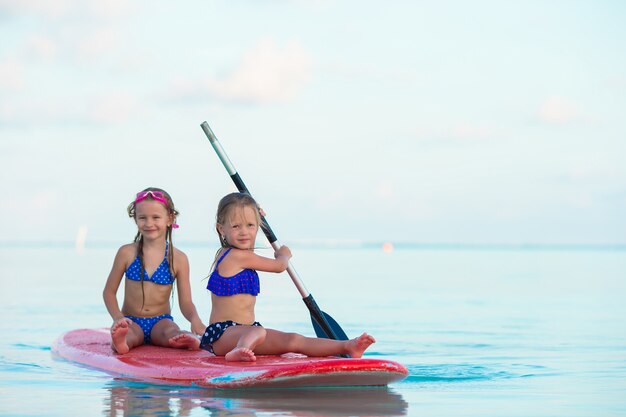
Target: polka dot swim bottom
{"type": "Point", "coordinates": [216, 330]}
{"type": "Point", "coordinates": [147, 323]}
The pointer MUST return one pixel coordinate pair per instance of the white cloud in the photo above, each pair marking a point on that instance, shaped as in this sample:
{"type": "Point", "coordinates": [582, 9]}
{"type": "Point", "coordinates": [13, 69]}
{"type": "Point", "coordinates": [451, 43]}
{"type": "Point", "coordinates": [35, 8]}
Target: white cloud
{"type": "Point", "coordinates": [384, 190]}
{"type": "Point", "coordinates": [468, 131]}
{"type": "Point", "coordinates": [110, 8]}
{"type": "Point", "coordinates": [115, 108]}
{"type": "Point", "coordinates": [83, 29]}
{"type": "Point", "coordinates": [315, 4]}
{"type": "Point", "coordinates": [461, 132]}
{"type": "Point", "coordinates": [11, 75]}
{"type": "Point", "coordinates": [267, 73]}
{"type": "Point", "coordinates": [42, 47]}
{"type": "Point", "coordinates": [99, 42]}
{"type": "Point", "coordinates": [16, 113]}
{"type": "Point", "coordinates": [558, 110]}
{"type": "Point", "coordinates": [63, 8]}
{"type": "Point", "coordinates": [47, 8]}
{"type": "Point", "coordinates": [47, 112]}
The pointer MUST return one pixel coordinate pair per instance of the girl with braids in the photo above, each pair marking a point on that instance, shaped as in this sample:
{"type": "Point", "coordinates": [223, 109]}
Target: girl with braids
{"type": "Point", "coordinates": [234, 285]}
{"type": "Point", "coordinates": [151, 264]}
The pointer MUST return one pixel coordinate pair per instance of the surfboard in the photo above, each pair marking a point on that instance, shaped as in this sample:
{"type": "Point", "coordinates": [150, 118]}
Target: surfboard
{"type": "Point", "coordinates": [92, 348]}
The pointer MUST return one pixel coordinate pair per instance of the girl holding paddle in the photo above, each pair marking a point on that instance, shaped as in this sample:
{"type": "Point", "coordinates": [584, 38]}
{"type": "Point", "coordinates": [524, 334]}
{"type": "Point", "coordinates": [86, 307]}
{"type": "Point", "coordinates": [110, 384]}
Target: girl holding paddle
{"type": "Point", "coordinates": [234, 285]}
{"type": "Point", "coordinates": [151, 264]}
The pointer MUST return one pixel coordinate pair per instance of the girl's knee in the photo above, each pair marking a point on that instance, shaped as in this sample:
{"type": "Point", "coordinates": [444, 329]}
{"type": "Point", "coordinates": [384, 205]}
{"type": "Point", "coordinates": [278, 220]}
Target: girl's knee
{"type": "Point", "coordinates": [260, 332]}
{"type": "Point", "coordinates": [251, 337]}
{"type": "Point", "coordinates": [163, 331]}
{"type": "Point", "coordinates": [135, 335]}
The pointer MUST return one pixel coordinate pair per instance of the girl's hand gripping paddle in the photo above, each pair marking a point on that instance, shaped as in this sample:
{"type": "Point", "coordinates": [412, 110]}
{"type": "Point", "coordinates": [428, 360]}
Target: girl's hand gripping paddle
{"type": "Point", "coordinates": [324, 325]}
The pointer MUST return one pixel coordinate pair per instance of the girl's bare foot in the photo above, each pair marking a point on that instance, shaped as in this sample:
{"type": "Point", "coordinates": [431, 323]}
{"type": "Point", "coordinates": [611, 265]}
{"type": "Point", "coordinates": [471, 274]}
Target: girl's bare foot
{"type": "Point", "coordinates": [185, 341]}
{"type": "Point", "coordinates": [118, 337]}
{"type": "Point", "coordinates": [357, 346]}
{"type": "Point", "coordinates": [240, 354]}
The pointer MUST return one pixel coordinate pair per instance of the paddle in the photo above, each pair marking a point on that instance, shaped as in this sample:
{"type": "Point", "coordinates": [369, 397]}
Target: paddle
{"type": "Point", "coordinates": [324, 325]}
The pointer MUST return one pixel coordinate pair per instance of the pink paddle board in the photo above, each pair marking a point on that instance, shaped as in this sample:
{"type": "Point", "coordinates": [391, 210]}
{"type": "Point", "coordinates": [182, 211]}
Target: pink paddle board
{"type": "Point", "coordinates": [92, 347]}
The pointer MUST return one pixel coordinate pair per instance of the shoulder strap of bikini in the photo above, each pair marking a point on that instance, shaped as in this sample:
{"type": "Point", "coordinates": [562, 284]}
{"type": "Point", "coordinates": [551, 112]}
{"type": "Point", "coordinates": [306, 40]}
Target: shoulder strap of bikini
{"type": "Point", "coordinates": [222, 257]}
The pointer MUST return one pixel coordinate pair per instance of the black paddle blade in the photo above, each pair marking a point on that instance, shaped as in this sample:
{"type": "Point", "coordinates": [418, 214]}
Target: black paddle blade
{"type": "Point", "coordinates": [319, 331]}
{"type": "Point", "coordinates": [324, 325]}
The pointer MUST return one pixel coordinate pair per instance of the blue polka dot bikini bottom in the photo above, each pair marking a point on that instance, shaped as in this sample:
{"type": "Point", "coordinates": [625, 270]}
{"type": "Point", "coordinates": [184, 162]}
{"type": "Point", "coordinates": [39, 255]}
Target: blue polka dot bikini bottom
{"type": "Point", "coordinates": [216, 330]}
{"type": "Point", "coordinates": [147, 323]}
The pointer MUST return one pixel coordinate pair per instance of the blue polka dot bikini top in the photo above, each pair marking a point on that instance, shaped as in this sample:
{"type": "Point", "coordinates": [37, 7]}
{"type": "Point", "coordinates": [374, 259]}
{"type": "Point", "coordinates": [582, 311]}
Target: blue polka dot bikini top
{"type": "Point", "coordinates": [244, 282]}
{"type": "Point", "coordinates": [161, 275]}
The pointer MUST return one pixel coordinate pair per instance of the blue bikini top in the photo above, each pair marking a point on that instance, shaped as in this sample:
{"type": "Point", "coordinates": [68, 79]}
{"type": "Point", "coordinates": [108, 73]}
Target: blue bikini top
{"type": "Point", "coordinates": [161, 275]}
{"type": "Point", "coordinates": [244, 282]}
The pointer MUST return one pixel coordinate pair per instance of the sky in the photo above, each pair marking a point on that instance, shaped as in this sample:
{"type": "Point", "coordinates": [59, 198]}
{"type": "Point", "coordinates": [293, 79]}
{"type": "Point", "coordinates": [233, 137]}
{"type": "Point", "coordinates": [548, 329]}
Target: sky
{"type": "Point", "coordinates": [483, 122]}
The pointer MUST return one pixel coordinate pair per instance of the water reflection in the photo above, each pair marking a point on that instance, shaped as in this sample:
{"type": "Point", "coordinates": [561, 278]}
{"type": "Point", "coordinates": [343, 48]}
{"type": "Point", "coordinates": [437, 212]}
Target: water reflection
{"type": "Point", "coordinates": [129, 399]}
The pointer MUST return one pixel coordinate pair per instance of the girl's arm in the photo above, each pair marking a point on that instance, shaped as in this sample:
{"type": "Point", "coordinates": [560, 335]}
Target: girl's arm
{"type": "Point", "coordinates": [109, 294]}
{"type": "Point", "coordinates": [187, 307]}
{"type": "Point", "coordinates": [250, 260]}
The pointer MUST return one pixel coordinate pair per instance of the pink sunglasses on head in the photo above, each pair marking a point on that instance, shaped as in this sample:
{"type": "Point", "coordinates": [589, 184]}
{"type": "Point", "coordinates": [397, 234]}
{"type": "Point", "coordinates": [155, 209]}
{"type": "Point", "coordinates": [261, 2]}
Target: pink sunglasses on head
{"type": "Point", "coordinates": [157, 196]}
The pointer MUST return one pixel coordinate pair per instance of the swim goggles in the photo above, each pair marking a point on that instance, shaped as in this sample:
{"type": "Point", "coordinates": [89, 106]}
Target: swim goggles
{"type": "Point", "coordinates": [156, 195]}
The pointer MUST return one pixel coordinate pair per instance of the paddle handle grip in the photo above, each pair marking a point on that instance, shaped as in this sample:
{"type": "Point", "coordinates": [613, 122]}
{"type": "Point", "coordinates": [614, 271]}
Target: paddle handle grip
{"type": "Point", "coordinates": [241, 186]}
{"type": "Point", "coordinates": [234, 175]}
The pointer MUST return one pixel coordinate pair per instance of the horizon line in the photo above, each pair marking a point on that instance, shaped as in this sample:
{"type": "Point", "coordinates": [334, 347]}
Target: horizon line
{"type": "Point", "coordinates": [342, 244]}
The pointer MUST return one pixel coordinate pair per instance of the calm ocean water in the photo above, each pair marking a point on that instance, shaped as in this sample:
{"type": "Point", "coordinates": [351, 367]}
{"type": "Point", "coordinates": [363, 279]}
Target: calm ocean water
{"type": "Point", "coordinates": [490, 332]}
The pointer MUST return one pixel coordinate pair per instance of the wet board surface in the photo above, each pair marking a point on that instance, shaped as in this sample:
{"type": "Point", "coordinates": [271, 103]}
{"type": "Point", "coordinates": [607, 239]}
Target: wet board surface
{"type": "Point", "coordinates": [92, 348]}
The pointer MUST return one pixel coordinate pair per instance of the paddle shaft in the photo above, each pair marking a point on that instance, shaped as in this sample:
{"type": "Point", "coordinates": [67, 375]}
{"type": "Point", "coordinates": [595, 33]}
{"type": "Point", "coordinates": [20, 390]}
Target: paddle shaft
{"type": "Point", "coordinates": [316, 312]}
